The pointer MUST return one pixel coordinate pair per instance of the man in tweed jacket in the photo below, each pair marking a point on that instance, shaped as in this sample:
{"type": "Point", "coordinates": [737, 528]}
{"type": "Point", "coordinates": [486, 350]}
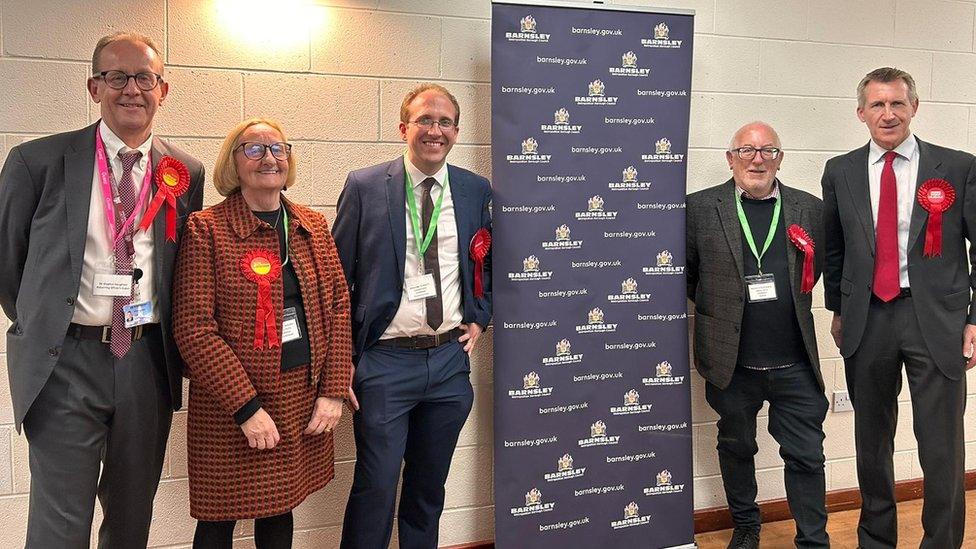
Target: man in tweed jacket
{"type": "Point", "coordinates": [754, 332]}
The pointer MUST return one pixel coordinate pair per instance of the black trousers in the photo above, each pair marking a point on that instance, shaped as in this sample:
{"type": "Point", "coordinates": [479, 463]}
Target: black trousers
{"type": "Point", "coordinates": [797, 408]}
{"type": "Point", "coordinates": [892, 338]}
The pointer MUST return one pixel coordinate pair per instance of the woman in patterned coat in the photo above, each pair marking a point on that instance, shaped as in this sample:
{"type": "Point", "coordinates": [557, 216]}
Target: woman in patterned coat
{"type": "Point", "coordinates": [261, 317]}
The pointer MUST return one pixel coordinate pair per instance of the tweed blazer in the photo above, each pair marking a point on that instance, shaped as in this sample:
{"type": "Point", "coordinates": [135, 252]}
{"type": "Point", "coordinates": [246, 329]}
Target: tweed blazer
{"type": "Point", "coordinates": [214, 304]}
{"type": "Point", "coordinates": [715, 275]}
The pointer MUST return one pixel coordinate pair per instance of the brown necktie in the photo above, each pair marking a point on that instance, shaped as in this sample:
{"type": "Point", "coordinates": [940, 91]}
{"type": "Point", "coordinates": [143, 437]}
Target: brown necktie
{"type": "Point", "coordinates": [121, 339]}
{"type": "Point", "coordinates": [435, 305]}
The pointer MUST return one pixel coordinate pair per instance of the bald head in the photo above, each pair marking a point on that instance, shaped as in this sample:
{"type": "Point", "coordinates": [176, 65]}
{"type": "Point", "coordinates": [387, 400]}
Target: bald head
{"type": "Point", "coordinates": [758, 126]}
{"type": "Point", "coordinates": [755, 174]}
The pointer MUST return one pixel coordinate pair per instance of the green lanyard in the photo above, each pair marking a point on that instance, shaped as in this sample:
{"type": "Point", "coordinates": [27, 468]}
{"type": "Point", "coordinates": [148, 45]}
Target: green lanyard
{"type": "Point", "coordinates": [748, 231]}
{"type": "Point", "coordinates": [284, 212]}
{"type": "Point", "coordinates": [423, 241]}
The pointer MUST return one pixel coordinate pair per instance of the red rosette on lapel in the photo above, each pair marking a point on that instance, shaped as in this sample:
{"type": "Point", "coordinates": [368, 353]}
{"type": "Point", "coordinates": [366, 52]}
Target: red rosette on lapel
{"type": "Point", "coordinates": [480, 245]}
{"type": "Point", "coordinates": [261, 267]}
{"type": "Point", "coordinates": [172, 180]}
{"type": "Point", "coordinates": [801, 239]}
{"type": "Point", "coordinates": [936, 196]}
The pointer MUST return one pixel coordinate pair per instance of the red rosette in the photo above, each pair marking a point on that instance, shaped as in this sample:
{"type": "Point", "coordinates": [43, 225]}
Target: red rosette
{"type": "Point", "coordinates": [261, 267]}
{"type": "Point", "coordinates": [480, 245]}
{"type": "Point", "coordinates": [801, 239]}
{"type": "Point", "coordinates": [172, 180]}
{"type": "Point", "coordinates": [936, 196]}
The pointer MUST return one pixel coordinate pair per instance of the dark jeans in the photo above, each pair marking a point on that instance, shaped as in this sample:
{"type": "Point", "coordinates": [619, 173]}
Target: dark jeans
{"type": "Point", "coordinates": [797, 408]}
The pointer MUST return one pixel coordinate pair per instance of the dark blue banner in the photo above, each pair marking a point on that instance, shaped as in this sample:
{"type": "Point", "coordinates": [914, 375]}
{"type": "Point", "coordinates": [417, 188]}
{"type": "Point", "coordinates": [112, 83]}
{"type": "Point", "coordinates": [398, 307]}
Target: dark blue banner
{"type": "Point", "coordinates": [589, 141]}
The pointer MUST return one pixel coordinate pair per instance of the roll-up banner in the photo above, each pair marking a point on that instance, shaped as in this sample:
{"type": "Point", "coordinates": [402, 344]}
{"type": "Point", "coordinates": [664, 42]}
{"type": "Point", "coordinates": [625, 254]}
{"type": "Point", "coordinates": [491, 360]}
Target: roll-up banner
{"type": "Point", "coordinates": [590, 108]}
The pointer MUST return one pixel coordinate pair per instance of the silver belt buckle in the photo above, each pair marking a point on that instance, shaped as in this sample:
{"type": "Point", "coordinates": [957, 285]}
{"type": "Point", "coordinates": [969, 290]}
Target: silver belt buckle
{"type": "Point", "coordinates": [106, 334]}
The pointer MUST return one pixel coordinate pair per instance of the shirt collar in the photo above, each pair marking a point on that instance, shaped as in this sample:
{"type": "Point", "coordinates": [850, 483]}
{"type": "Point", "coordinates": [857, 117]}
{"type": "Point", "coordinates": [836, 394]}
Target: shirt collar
{"type": "Point", "coordinates": [773, 194]}
{"type": "Point", "coordinates": [418, 176]}
{"type": "Point", "coordinates": [114, 143]}
{"type": "Point", "coordinates": [906, 150]}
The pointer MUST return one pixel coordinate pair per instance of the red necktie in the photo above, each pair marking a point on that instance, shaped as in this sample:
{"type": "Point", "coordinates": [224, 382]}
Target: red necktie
{"type": "Point", "coordinates": [886, 279]}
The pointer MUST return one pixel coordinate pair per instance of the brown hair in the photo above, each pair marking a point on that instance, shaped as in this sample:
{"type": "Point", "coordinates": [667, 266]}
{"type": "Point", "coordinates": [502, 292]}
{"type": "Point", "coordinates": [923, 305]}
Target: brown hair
{"type": "Point", "coordinates": [225, 171]}
{"type": "Point", "coordinates": [128, 36]}
{"type": "Point", "coordinates": [886, 74]}
{"type": "Point", "coordinates": [412, 94]}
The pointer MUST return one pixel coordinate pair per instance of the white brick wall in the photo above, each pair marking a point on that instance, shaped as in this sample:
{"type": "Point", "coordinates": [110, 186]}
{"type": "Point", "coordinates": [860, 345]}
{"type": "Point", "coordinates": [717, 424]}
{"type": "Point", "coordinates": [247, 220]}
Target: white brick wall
{"type": "Point", "coordinates": [790, 62]}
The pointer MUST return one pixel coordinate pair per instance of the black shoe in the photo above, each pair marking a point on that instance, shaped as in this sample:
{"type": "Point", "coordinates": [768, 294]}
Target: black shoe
{"type": "Point", "coordinates": [744, 538]}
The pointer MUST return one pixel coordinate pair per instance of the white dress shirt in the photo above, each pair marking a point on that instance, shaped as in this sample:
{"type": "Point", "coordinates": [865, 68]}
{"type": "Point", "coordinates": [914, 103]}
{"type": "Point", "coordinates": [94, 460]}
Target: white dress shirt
{"type": "Point", "coordinates": [411, 316]}
{"type": "Point", "coordinates": [95, 310]}
{"type": "Point", "coordinates": [905, 166]}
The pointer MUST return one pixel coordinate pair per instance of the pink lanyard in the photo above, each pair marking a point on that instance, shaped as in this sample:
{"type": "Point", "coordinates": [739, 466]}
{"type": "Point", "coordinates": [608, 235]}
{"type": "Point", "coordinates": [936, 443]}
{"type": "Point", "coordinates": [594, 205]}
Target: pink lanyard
{"type": "Point", "coordinates": [108, 191]}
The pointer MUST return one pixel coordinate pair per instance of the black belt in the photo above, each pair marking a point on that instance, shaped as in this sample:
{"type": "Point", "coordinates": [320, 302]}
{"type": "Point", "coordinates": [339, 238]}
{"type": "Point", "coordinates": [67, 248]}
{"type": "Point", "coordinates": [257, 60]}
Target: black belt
{"type": "Point", "coordinates": [422, 342]}
{"type": "Point", "coordinates": [104, 333]}
{"type": "Point", "coordinates": [902, 293]}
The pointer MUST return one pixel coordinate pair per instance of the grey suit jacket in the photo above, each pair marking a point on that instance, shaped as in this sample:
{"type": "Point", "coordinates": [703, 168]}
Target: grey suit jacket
{"type": "Point", "coordinates": [715, 275]}
{"type": "Point", "coordinates": [45, 193]}
{"type": "Point", "coordinates": [940, 285]}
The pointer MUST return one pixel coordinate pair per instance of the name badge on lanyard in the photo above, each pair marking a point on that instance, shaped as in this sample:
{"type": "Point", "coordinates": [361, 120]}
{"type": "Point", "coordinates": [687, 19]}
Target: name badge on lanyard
{"type": "Point", "coordinates": [759, 287]}
{"type": "Point", "coordinates": [290, 330]}
{"type": "Point", "coordinates": [422, 286]}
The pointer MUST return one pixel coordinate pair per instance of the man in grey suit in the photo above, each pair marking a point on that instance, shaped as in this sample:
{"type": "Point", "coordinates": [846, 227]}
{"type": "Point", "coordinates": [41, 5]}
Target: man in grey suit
{"type": "Point", "coordinates": [897, 215]}
{"type": "Point", "coordinates": [94, 372]}
{"type": "Point", "coordinates": [751, 267]}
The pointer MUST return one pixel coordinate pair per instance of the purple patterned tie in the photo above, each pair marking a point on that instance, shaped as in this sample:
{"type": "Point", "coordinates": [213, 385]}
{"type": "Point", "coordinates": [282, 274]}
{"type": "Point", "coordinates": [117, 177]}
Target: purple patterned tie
{"type": "Point", "coordinates": [121, 336]}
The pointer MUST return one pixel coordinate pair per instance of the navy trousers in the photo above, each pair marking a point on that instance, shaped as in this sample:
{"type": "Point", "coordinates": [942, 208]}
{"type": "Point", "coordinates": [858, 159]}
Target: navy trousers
{"type": "Point", "coordinates": [413, 404]}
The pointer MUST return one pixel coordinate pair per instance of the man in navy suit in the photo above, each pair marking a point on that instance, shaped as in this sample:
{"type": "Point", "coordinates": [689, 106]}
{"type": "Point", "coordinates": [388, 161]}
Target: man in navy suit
{"type": "Point", "coordinates": [405, 230]}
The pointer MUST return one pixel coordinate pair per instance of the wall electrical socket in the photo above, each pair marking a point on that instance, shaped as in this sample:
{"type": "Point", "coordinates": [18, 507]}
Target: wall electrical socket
{"type": "Point", "coordinates": [842, 402]}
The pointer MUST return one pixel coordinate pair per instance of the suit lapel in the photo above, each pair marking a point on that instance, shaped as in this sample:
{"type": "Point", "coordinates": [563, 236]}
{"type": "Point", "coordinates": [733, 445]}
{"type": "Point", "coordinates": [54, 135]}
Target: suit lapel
{"type": "Point", "coordinates": [459, 195]}
{"type": "Point", "coordinates": [79, 169]}
{"type": "Point", "coordinates": [929, 167]}
{"type": "Point", "coordinates": [856, 176]}
{"type": "Point", "coordinates": [730, 223]}
{"type": "Point", "coordinates": [396, 207]}
{"type": "Point", "coordinates": [792, 214]}
{"type": "Point", "coordinates": [163, 251]}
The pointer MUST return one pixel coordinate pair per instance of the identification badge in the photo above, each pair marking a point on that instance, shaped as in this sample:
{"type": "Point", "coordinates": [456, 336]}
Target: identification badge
{"type": "Point", "coordinates": [137, 314]}
{"type": "Point", "coordinates": [112, 285]}
{"type": "Point", "coordinates": [420, 287]}
{"type": "Point", "coordinates": [761, 288]}
{"type": "Point", "coordinates": [290, 331]}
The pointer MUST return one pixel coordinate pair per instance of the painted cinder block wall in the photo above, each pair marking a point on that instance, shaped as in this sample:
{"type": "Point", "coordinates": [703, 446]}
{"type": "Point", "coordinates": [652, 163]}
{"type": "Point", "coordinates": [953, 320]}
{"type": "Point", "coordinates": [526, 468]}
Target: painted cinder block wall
{"type": "Point", "coordinates": [337, 89]}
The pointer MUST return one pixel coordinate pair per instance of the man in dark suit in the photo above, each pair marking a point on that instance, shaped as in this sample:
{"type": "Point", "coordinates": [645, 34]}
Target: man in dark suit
{"type": "Point", "coordinates": [903, 297]}
{"type": "Point", "coordinates": [750, 278]}
{"type": "Point", "coordinates": [91, 389]}
{"type": "Point", "coordinates": [409, 233]}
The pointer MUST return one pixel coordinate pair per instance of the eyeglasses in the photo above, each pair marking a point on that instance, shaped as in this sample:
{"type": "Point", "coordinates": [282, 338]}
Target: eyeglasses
{"type": "Point", "coordinates": [427, 123]}
{"type": "Point", "coordinates": [748, 153]}
{"type": "Point", "coordinates": [255, 151]}
{"type": "Point", "coordinates": [117, 80]}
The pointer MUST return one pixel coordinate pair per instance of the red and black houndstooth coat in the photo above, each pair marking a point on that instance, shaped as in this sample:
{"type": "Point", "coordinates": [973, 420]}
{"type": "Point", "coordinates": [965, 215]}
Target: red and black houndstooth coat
{"type": "Point", "coordinates": [214, 326]}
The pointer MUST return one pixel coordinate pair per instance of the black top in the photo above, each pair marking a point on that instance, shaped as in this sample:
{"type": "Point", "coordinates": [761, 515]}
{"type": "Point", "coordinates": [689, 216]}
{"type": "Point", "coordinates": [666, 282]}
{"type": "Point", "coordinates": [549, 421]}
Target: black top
{"type": "Point", "coordinates": [297, 352]}
{"type": "Point", "coordinates": [770, 335]}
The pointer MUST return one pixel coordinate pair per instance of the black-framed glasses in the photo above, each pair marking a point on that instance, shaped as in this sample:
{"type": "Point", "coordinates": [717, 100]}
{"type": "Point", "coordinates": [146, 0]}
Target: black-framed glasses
{"type": "Point", "coordinates": [256, 151]}
{"type": "Point", "coordinates": [748, 153]}
{"type": "Point", "coordinates": [117, 80]}
{"type": "Point", "coordinates": [426, 122]}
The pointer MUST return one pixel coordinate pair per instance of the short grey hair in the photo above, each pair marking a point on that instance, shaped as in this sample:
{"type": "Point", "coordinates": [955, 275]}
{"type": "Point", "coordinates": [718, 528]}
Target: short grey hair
{"type": "Point", "coordinates": [886, 74]}
{"type": "Point", "coordinates": [735, 135]}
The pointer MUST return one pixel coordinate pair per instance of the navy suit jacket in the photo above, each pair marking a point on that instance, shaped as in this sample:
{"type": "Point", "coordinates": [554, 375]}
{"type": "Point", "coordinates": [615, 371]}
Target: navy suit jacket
{"type": "Point", "coordinates": [370, 232]}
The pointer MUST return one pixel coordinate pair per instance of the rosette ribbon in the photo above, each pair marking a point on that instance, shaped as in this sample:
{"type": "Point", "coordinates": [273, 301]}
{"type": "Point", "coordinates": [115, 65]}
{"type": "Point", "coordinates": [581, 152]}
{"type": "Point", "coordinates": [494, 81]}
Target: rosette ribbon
{"type": "Point", "coordinates": [172, 180]}
{"type": "Point", "coordinates": [936, 196]}
{"type": "Point", "coordinates": [801, 239]}
{"type": "Point", "coordinates": [480, 245]}
{"type": "Point", "coordinates": [262, 267]}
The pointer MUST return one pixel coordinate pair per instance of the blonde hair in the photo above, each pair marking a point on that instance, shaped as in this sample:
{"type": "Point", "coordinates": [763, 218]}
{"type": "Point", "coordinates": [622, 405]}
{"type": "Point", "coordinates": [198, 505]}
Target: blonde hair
{"type": "Point", "coordinates": [225, 171]}
{"type": "Point", "coordinates": [133, 37]}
